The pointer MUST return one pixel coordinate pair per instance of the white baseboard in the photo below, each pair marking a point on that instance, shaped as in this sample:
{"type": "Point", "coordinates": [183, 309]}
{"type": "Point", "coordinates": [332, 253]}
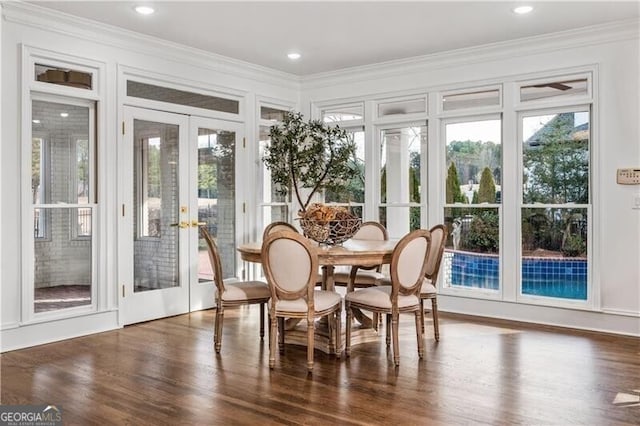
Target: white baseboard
{"type": "Point", "coordinates": [53, 331]}
{"type": "Point", "coordinates": [627, 324]}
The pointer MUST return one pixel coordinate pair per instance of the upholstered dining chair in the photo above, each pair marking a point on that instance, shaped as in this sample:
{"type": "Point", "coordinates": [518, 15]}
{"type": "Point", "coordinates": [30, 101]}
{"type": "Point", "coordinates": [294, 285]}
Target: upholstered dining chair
{"type": "Point", "coordinates": [362, 276]}
{"type": "Point", "coordinates": [232, 294]}
{"type": "Point", "coordinates": [408, 267]}
{"type": "Point", "coordinates": [290, 263]}
{"type": "Point", "coordinates": [430, 282]}
{"type": "Point", "coordinates": [429, 285]}
{"type": "Point", "coordinates": [284, 226]}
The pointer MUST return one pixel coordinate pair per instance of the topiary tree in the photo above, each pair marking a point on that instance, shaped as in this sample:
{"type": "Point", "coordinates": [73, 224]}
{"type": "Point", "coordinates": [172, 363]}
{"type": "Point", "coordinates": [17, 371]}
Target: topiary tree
{"type": "Point", "coordinates": [487, 189]}
{"type": "Point", "coordinates": [453, 192]}
{"type": "Point", "coordinates": [310, 155]}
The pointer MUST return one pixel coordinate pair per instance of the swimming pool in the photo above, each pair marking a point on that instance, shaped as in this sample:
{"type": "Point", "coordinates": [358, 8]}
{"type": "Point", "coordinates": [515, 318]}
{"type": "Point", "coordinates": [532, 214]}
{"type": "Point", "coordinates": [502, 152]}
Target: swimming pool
{"type": "Point", "coordinates": [541, 276]}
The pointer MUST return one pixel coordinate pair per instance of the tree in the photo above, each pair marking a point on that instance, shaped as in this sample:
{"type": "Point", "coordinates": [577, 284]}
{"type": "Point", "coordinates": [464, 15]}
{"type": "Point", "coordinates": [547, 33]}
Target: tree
{"type": "Point", "coordinates": [556, 164]}
{"type": "Point", "coordinates": [207, 180]}
{"type": "Point", "coordinates": [453, 192]}
{"type": "Point", "coordinates": [309, 155]}
{"type": "Point", "coordinates": [483, 235]}
{"type": "Point", "coordinates": [487, 189]}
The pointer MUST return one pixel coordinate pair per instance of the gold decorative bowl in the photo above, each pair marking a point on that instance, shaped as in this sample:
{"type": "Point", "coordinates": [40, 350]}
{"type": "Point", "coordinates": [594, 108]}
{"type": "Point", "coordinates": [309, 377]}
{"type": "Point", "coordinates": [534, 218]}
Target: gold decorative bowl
{"type": "Point", "coordinates": [330, 232]}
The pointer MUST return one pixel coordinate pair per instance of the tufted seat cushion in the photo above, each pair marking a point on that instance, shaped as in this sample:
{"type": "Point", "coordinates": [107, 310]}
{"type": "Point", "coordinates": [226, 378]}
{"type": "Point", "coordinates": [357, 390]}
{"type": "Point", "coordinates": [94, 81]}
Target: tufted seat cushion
{"type": "Point", "coordinates": [379, 297]}
{"type": "Point", "coordinates": [322, 300]}
{"type": "Point", "coordinates": [248, 290]}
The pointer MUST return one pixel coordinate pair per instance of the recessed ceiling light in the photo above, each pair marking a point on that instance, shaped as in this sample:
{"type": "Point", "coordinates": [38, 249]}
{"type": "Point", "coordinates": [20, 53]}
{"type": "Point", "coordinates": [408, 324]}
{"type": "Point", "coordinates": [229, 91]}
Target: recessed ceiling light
{"type": "Point", "coordinates": [521, 10]}
{"type": "Point", "coordinates": [35, 121]}
{"type": "Point", "coordinates": [144, 10]}
{"type": "Point", "coordinates": [293, 56]}
{"type": "Point", "coordinates": [64, 114]}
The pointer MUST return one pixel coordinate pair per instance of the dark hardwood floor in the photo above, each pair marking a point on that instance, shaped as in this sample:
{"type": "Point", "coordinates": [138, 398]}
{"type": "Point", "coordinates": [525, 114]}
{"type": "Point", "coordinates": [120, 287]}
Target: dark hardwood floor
{"type": "Point", "coordinates": [481, 372]}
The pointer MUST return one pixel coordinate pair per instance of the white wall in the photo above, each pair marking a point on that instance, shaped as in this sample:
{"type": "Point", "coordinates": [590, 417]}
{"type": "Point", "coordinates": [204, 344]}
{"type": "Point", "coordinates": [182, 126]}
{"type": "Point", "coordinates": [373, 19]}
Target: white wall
{"type": "Point", "coordinates": [35, 27]}
{"type": "Point", "coordinates": [614, 51]}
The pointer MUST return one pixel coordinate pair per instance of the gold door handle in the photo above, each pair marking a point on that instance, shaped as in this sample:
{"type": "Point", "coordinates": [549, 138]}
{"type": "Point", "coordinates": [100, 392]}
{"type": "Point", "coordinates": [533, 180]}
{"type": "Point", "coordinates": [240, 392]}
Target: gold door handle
{"type": "Point", "coordinates": [182, 224]}
{"type": "Point", "coordinates": [195, 223]}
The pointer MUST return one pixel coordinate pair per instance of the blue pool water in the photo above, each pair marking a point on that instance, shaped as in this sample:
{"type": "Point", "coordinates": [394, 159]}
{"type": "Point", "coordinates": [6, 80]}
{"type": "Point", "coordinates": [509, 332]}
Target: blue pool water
{"type": "Point", "coordinates": [550, 277]}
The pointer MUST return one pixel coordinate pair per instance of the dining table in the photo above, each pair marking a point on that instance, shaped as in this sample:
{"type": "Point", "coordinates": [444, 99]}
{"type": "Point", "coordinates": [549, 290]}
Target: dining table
{"type": "Point", "coordinates": [350, 253]}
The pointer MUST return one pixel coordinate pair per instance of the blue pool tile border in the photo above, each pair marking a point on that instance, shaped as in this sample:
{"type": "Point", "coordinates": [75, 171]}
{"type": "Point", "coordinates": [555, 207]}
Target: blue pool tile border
{"type": "Point", "coordinates": [541, 276]}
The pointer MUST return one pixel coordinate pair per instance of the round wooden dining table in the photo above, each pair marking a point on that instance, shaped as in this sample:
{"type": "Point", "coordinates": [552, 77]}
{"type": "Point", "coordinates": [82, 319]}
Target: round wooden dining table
{"type": "Point", "coordinates": [350, 253]}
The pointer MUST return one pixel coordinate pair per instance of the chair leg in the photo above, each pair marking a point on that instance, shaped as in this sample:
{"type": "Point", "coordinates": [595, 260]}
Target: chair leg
{"type": "Point", "coordinates": [273, 332]}
{"type": "Point", "coordinates": [217, 339]}
{"type": "Point", "coordinates": [375, 318]}
{"type": "Point", "coordinates": [434, 312]}
{"type": "Point", "coordinates": [396, 344]}
{"type": "Point", "coordinates": [338, 329]}
{"type": "Point", "coordinates": [419, 334]}
{"type": "Point", "coordinates": [388, 328]}
{"type": "Point", "coordinates": [331, 323]}
{"type": "Point", "coordinates": [422, 314]}
{"type": "Point", "coordinates": [347, 348]}
{"type": "Point", "coordinates": [261, 321]}
{"type": "Point", "coordinates": [310, 341]}
{"type": "Point", "coordinates": [281, 334]}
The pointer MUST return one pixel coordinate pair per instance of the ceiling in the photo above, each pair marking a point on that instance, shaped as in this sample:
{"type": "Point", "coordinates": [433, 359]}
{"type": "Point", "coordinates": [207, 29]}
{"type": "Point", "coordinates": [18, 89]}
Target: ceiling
{"type": "Point", "coordinates": [333, 35]}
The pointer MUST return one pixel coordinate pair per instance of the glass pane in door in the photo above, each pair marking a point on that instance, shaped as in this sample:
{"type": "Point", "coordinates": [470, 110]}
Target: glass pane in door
{"type": "Point", "coordinates": [156, 201]}
{"type": "Point", "coordinates": [216, 198]}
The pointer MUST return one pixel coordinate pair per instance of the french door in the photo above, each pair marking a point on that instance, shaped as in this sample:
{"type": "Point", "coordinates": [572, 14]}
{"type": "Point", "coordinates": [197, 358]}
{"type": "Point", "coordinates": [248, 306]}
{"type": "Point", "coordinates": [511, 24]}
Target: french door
{"type": "Point", "coordinates": [177, 174]}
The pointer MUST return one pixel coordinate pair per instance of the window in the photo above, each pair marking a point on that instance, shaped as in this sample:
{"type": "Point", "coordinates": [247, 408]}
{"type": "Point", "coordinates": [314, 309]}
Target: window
{"type": "Point", "coordinates": [63, 76]}
{"type": "Point", "coordinates": [470, 99]}
{"type": "Point", "coordinates": [553, 89]}
{"type": "Point", "coordinates": [274, 206]}
{"type": "Point", "coordinates": [150, 152]}
{"type": "Point", "coordinates": [343, 114]}
{"type": "Point", "coordinates": [472, 203]}
{"type": "Point", "coordinates": [401, 156]}
{"type": "Point", "coordinates": [350, 118]}
{"type": "Point", "coordinates": [63, 202]}
{"type": "Point", "coordinates": [408, 106]}
{"type": "Point", "coordinates": [181, 97]}
{"type": "Point", "coordinates": [555, 203]}
{"type": "Point", "coordinates": [39, 183]}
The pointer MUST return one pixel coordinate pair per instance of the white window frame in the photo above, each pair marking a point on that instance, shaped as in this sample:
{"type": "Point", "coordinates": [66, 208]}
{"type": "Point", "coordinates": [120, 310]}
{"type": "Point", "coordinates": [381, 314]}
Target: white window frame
{"type": "Point", "coordinates": [472, 292]}
{"type": "Point", "coordinates": [102, 296]}
{"type": "Point", "coordinates": [592, 300]}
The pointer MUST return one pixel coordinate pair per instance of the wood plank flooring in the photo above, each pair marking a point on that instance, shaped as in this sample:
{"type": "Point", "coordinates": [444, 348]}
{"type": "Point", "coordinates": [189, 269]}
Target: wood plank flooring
{"type": "Point", "coordinates": [166, 372]}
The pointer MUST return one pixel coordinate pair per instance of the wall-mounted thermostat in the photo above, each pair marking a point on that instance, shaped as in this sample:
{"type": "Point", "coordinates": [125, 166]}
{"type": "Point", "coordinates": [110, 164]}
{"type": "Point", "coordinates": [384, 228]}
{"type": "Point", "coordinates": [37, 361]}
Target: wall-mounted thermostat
{"type": "Point", "coordinates": [628, 176]}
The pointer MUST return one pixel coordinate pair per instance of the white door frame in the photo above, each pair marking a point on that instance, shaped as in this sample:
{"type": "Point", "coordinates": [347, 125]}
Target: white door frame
{"type": "Point", "coordinates": [147, 305]}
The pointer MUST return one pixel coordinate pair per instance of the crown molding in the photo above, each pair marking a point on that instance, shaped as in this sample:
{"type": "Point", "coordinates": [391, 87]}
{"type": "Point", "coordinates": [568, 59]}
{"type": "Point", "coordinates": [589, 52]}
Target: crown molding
{"type": "Point", "coordinates": [62, 23]}
{"type": "Point", "coordinates": [570, 39]}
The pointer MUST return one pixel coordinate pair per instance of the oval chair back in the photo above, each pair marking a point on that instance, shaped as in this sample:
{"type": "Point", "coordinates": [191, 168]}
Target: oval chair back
{"type": "Point", "coordinates": [409, 263]}
{"type": "Point", "coordinates": [290, 264]}
{"type": "Point", "coordinates": [214, 259]}
{"type": "Point", "coordinates": [276, 227]}
{"type": "Point", "coordinates": [438, 240]}
{"type": "Point", "coordinates": [371, 231]}
{"type": "Point", "coordinates": [429, 287]}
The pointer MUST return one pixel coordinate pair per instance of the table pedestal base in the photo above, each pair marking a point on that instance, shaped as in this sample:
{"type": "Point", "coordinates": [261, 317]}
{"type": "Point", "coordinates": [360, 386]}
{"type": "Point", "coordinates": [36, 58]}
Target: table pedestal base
{"type": "Point", "coordinates": [359, 334]}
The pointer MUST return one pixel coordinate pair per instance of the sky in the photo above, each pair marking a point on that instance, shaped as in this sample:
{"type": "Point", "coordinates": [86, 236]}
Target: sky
{"type": "Point", "coordinates": [490, 130]}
